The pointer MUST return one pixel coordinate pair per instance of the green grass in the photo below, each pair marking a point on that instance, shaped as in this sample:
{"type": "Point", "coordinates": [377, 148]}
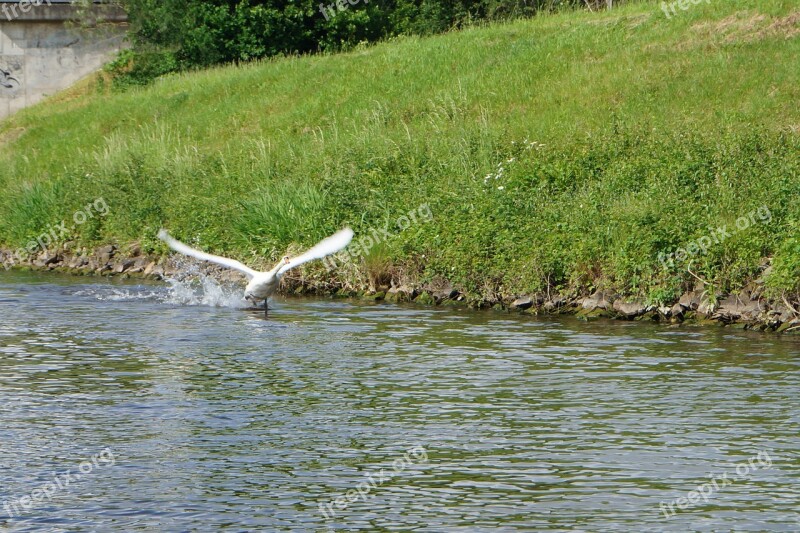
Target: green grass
{"type": "Point", "coordinates": [651, 131]}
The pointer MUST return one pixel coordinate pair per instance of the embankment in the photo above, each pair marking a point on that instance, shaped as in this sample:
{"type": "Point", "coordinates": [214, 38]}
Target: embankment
{"type": "Point", "coordinates": [751, 309]}
{"type": "Point", "coordinates": [625, 158]}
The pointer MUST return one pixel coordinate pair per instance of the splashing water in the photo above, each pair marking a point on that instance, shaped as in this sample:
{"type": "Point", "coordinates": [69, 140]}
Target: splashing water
{"type": "Point", "coordinates": [203, 290]}
{"type": "Point", "coordinates": [189, 290]}
{"type": "Point", "coordinates": [189, 286]}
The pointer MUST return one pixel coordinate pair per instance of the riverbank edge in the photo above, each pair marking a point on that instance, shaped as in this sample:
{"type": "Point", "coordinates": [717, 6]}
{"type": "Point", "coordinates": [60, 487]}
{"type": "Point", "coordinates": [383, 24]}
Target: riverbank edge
{"type": "Point", "coordinates": [748, 310]}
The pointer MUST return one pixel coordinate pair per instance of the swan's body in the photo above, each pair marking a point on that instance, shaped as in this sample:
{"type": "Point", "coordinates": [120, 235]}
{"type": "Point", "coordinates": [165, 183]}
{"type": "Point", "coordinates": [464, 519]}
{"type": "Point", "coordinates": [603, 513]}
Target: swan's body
{"type": "Point", "coordinates": [262, 285]}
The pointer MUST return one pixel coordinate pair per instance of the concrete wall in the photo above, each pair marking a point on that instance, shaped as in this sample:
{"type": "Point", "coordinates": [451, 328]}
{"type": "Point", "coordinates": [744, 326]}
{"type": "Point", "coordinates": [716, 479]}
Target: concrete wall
{"type": "Point", "coordinates": [43, 50]}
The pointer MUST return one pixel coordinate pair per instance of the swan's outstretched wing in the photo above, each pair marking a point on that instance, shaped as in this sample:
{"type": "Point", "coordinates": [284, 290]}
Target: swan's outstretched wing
{"type": "Point", "coordinates": [331, 245]}
{"type": "Point", "coordinates": [178, 246]}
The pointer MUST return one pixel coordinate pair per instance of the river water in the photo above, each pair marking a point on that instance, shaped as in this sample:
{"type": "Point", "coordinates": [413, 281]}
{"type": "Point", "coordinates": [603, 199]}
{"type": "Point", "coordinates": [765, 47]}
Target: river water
{"type": "Point", "coordinates": [150, 407]}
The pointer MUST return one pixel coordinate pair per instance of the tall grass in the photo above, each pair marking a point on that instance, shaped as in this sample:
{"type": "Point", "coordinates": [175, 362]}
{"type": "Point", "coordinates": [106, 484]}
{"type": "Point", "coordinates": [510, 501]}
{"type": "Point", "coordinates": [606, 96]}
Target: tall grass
{"type": "Point", "coordinates": [650, 130]}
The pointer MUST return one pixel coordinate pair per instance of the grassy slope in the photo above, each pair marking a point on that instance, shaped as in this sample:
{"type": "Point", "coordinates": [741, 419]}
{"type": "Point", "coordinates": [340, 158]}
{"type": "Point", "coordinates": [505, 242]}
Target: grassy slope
{"type": "Point", "coordinates": [653, 129]}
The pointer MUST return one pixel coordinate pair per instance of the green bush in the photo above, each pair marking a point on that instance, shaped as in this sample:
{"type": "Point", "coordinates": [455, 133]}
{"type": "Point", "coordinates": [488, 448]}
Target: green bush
{"type": "Point", "coordinates": [201, 33]}
{"type": "Point", "coordinates": [131, 69]}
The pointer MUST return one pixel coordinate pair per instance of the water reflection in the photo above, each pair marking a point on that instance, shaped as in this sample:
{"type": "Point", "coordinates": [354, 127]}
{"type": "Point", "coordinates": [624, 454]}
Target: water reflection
{"type": "Point", "coordinates": [219, 419]}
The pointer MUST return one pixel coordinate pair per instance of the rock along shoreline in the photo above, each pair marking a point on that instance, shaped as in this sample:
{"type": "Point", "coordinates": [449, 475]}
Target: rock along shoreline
{"type": "Point", "coordinates": [748, 310]}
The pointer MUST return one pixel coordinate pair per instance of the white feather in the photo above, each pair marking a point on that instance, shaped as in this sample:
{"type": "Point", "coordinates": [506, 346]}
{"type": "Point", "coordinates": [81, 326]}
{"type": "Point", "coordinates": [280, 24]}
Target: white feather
{"type": "Point", "coordinates": [330, 245]}
{"type": "Point", "coordinates": [178, 246]}
{"type": "Point", "coordinates": [263, 284]}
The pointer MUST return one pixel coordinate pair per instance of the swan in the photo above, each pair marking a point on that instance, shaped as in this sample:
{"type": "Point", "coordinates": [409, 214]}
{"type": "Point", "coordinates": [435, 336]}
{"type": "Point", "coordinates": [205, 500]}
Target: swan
{"type": "Point", "coordinates": [262, 285]}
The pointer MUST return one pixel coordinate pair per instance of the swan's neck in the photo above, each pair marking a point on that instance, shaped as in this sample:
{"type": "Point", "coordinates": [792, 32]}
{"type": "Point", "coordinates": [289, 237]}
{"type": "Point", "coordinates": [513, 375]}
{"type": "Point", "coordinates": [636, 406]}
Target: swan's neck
{"type": "Point", "coordinates": [274, 271]}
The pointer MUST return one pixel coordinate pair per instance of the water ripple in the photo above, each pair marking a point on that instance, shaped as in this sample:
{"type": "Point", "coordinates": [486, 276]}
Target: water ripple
{"type": "Point", "coordinates": [219, 419]}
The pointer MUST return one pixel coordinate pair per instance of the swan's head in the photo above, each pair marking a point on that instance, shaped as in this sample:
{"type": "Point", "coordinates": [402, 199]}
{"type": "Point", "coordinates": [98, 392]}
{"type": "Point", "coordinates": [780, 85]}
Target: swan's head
{"type": "Point", "coordinates": [285, 259]}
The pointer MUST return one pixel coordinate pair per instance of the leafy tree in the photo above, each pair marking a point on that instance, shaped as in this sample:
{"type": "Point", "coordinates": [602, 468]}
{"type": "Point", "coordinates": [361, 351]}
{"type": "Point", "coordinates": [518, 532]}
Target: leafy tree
{"type": "Point", "coordinates": [184, 34]}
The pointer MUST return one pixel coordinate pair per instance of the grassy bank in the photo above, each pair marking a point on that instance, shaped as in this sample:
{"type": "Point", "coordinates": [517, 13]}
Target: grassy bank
{"type": "Point", "coordinates": [560, 153]}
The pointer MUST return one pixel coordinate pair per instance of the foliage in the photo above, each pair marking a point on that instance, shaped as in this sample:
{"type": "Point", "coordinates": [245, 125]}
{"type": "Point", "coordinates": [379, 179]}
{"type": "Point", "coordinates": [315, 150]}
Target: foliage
{"type": "Point", "coordinates": [131, 69]}
{"type": "Point", "coordinates": [564, 152]}
{"type": "Point", "coordinates": [201, 33]}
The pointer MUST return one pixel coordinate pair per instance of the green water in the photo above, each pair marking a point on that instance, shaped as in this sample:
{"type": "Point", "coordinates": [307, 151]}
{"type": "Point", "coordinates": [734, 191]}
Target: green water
{"type": "Point", "coordinates": [334, 415]}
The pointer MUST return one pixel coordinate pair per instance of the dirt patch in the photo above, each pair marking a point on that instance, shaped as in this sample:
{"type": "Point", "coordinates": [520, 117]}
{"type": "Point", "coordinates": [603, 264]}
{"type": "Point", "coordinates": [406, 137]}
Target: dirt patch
{"type": "Point", "coordinates": [746, 26]}
{"type": "Point", "coordinates": [11, 135]}
{"type": "Point", "coordinates": [733, 26]}
{"type": "Point", "coordinates": [787, 27]}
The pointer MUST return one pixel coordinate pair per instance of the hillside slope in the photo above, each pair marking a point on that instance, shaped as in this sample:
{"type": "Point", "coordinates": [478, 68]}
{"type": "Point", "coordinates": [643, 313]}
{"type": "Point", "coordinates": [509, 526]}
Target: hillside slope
{"type": "Point", "coordinates": [563, 153]}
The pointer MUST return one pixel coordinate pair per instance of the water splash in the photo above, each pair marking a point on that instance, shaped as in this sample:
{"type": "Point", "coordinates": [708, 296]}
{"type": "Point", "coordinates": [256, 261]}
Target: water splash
{"type": "Point", "coordinates": [203, 290]}
{"type": "Point", "coordinates": [188, 286]}
{"type": "Point", "coordinates": [191, 285]}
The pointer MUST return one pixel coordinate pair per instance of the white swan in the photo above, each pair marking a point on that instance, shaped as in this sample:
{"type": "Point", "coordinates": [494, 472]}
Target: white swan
{"type": "Point", "coordinates": [263, 284]}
